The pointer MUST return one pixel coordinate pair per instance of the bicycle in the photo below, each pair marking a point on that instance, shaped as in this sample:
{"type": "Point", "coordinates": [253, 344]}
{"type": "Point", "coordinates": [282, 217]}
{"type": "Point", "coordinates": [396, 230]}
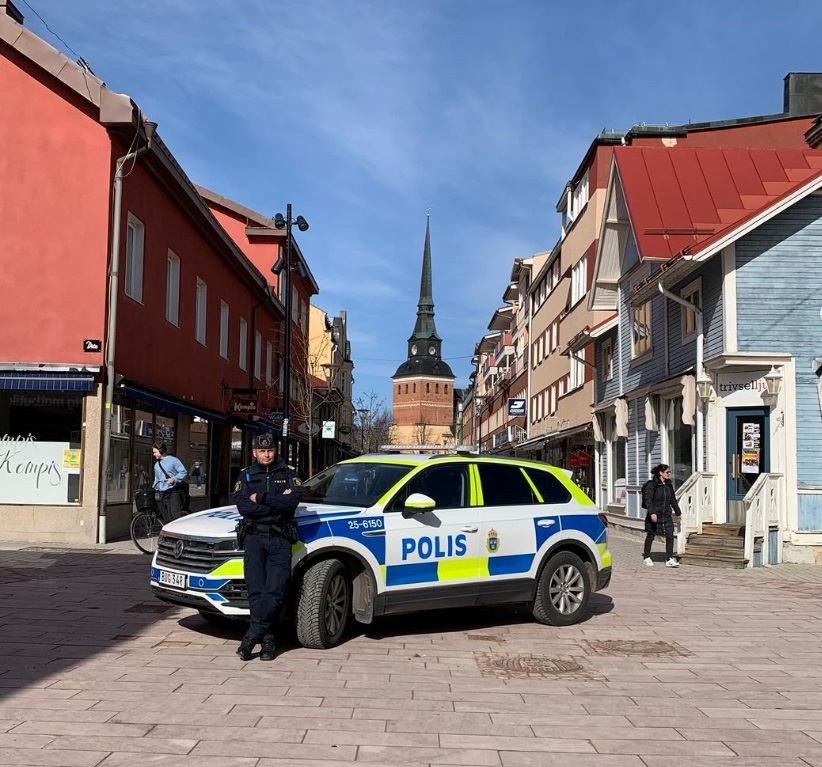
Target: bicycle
{"type": "Point", "coordinates": [146, 522]}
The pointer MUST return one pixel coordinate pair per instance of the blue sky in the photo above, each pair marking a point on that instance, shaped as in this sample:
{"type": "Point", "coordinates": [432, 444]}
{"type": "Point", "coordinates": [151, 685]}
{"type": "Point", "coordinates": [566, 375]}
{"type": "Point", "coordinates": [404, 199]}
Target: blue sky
{"type": "Point", "coordinates": [364, 114]}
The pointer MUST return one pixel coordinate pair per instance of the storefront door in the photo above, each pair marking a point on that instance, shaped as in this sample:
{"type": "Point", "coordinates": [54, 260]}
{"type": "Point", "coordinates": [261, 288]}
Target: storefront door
{"type": "Point", "coordinates": [748, 455]}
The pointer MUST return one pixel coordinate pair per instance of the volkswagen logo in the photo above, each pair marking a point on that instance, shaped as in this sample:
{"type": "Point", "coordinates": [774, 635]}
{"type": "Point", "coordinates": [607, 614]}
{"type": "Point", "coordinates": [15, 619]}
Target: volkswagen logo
{"type": "Point", "coordinates": [178, 549]}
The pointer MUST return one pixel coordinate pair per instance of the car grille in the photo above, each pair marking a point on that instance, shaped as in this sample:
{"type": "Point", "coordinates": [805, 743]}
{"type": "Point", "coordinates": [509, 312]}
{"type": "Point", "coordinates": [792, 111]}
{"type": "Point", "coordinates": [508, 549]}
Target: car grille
{"type": "Point", "coordinates": [196, 557]}
{"type": "Point", "coordinates": [236, 594]}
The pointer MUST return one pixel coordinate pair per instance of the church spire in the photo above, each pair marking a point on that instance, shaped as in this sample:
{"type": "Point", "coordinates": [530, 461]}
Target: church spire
{"type": "Point", "coordinates": [425, 329]}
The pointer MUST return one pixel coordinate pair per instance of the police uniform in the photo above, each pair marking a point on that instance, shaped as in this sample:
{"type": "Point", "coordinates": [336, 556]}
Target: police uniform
{"type": "Point", "coordinates": [268, 523]}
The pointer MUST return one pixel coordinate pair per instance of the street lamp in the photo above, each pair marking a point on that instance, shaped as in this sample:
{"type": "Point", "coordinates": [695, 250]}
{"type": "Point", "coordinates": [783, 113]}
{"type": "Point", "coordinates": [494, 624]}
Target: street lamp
{"type": "Point", "coordinates": [281, 222]}
{"type": "Point", "coordinates": [363, 413]}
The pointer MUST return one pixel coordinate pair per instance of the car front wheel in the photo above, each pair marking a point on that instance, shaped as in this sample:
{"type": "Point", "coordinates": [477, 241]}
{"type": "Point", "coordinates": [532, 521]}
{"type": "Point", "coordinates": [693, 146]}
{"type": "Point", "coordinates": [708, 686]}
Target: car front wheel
{"type": "Point", "coordinates": [563, 591]}
{"type": "Point", "coordinates": [323, 604]}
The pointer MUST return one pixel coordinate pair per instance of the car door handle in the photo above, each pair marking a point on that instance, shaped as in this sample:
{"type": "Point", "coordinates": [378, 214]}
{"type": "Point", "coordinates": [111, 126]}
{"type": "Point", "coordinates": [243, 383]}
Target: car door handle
{"type": "Point", "coordinates": [469, 528]}
{"type": "Point", "coordinates": [546, 522]}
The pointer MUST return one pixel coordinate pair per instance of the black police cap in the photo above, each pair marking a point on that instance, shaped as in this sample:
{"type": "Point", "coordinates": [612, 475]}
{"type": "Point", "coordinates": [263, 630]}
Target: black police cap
{"type": "Point", "coordinates": [263, 441]}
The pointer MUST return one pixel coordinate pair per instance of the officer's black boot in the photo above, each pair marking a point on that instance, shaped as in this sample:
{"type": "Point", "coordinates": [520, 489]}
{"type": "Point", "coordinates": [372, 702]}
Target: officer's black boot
{"type": "Point", "coordinates": [269, 648]}
{"type": "Point", "coordinates": [246, 648]}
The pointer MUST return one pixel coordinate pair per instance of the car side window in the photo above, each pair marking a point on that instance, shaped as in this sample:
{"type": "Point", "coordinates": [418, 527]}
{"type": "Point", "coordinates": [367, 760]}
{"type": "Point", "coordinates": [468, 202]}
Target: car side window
{"type": "Point", "coordinates": [504, 485]}
{"type": "Point", "coordinates": [549, 487]}
{"type": "Point", "coordinates": [447, 484]}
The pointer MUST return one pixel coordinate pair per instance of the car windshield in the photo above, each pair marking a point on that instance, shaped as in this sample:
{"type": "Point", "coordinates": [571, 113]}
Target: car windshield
{"type": "Point", "coordinates": [353, 484]}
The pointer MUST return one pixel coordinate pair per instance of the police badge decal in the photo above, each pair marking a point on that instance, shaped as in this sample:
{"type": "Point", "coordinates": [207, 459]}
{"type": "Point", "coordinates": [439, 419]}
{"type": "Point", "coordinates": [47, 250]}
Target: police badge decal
{"type": "Point", "coordinates": [492, 541]}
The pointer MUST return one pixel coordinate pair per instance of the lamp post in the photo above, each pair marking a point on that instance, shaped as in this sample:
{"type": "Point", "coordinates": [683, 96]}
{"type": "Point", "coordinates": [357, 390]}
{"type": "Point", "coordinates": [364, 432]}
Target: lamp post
{"type": "Point", "coordinates": [363, 413]}
{"type": "Point", "coordinates": [281, 222]}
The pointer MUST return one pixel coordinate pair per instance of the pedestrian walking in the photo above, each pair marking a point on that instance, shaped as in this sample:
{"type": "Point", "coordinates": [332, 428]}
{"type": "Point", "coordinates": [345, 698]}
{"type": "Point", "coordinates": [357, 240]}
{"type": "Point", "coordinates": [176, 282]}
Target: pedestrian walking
{"type": "Point", "coordinates": [197, 474]}
{"type": "Point", "coordinates": [169, 479]}
{"type": "Point", "coordinates": [661, 507]}
{"type": "Point", "coordinates": [266, 494]}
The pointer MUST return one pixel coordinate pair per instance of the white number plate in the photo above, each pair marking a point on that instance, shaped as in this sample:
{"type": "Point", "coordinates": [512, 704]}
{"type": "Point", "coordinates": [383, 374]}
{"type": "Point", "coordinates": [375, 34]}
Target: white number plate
{"type": "Point", "coordinates": [178, 580]}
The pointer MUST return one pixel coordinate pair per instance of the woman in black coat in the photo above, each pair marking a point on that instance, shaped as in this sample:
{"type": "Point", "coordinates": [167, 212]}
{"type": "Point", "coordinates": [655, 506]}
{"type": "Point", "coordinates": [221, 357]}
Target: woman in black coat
{"type": "Point", "coordinates": [660, 504]}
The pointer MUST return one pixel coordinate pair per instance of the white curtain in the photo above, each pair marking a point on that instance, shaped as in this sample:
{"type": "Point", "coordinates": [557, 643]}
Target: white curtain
{"type": "Point", "coordinates": [688, 400]}
{"type": "Point", "coordinates": [597, 427]}
{"type": "Point", "coordinates": [819, 389]}
{"type": "Point", "coordinates": [621, 408]}
{"type": "Point", "coordinates": [650, 414]}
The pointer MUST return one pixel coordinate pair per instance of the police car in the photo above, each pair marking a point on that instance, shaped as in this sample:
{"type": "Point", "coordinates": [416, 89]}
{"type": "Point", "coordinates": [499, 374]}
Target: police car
{"type": "Point", "coordinates": [388, 534]}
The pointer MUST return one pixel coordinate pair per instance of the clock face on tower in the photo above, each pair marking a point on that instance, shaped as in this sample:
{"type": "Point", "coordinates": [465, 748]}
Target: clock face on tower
{"type": "Point", "coordinates": [413, 348]}
{"type": "Point", "coordinates": [432, 350]}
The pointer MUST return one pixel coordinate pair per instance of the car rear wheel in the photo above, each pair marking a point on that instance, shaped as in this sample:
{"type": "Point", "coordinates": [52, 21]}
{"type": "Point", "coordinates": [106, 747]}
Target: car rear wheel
{"type": "Point", "coordinates": [323, 604]}
{"type": "Point", "coordinates": [563, 591]}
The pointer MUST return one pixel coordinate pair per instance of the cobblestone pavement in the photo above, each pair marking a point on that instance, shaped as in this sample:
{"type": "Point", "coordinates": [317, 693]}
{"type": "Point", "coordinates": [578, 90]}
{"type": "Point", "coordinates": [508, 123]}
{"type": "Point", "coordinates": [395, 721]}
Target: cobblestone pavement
{"type": "Point", "coordinates": [674, 667]}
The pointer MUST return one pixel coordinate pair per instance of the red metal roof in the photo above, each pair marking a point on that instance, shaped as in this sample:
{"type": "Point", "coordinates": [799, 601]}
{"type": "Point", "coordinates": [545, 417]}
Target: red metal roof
{"type": "Point", "coordinates": [684, 197]}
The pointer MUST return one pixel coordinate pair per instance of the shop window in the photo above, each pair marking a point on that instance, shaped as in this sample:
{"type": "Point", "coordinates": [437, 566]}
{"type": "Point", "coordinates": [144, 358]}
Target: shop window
{"type": "Point", "coordinates": [40, 430]}
{"type": "Point", "coordinates": [135, 238]}
{"type": "Point", "coordinates": [118, 481]}
{"type": "Point", "coordinates": [147, 429]}
{"type": "Point", "coordinates": [677, 442]}
{"type": "Point", "coordinates": [198, 455]}
{"type": "Point", "coordinates": [618, 472]}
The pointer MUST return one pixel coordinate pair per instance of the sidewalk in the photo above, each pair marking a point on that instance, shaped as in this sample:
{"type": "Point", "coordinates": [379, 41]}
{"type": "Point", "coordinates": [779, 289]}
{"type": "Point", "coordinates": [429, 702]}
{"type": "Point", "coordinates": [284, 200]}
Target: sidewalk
{"type": "Point", "coordinates": [691, 666]}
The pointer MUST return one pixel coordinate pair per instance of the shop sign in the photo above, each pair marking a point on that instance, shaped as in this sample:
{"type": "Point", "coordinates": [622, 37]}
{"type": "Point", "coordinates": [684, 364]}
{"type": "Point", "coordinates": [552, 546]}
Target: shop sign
{"type": "Point", "coordinates": [579, 460]}
{"type": "Point", "coordinates": [35, 473]}
{"type": "Point", "coordinates": [243, 404]}
{"type": "Point", "coordinates": [92, 345]}
{"type": "Point", "coordinates": [739, 389]}
{"type": "Point", "coordinates": [329, 429]}
{"type": "Point", "coordinates": [516, 408]}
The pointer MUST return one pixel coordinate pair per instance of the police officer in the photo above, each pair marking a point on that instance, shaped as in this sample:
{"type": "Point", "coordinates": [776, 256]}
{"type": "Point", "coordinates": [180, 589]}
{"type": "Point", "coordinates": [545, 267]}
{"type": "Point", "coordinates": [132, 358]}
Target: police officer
{"type": "Point", "coordinates": [266, 494]}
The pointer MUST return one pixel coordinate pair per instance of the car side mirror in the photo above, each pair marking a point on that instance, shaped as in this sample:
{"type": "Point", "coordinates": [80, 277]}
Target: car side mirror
{"type": "Point", "coordinates": [418, 503]}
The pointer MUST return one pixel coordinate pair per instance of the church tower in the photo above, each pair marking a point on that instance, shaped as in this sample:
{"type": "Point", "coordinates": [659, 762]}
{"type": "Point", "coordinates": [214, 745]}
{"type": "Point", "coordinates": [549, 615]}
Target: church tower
{"type": "Point", "coordinates": [423, 386]}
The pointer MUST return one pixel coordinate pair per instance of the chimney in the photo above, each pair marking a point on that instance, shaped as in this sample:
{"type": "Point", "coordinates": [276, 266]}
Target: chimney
{"type": "Point", "coordinates": [803, 93]}
{"type": "Point", "coordinates": [10, 9]}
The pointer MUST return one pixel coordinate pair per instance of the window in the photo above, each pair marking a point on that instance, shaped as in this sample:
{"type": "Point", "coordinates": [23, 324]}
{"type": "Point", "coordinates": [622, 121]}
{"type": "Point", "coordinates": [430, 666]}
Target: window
{"type": "Point", "coordinates": [548, 486]}
{"type": "Point", "coordinates": [677, 442]}
{"type": "Point", "coordinates": [552, 400]}
{"type": "Point", "coordinates": [436, 388]}
{"type": "Point", "coordinates": [555, 333]}
{"type": "Point", "coordinates": [428, 388]}
{"type": "Point", "coordinates": [578, 197]}
{"type": "Point", "coordinates": [641, 331]}
{"type": "Point", "coordinates": [258, 353]}
{"type": "Point", "coordinates": [224, 330]}
{"type": "Point", "coordinates": [617, 467]}
{"type": "Point", "coordinates": [406, 388]}
{"type": "Point", "coordinates": [173, 289]}
{"type": "Point", "coordinates": [504, 485]}
{"type": "Point", "coordinates": [555, 274]}
{"type": "Point", "coordinates": [579, 280]}
{"type": "Point", "coordinates": [448, 485]}
{"type": "Point", "coordinates": [135, 241]}
{"type": "Point", "coordinates": [295, 304]}
{"type": "Point", "coordinates": [269, 360]}
{"type": "Point", "coordinates": [358, 484]}
{"type": "Point", "coordinates": [243, 344]}
{"type": "Point", "coordinates": [692, 294]}
{"type": "Point", "coordinates": [413, 388]}
{"type": "Point", "coordinates": [200, 321]}
{"type": "Point", "coordinates": [577, 375]}
{"type": "Point", "coordinates": [607, 360]}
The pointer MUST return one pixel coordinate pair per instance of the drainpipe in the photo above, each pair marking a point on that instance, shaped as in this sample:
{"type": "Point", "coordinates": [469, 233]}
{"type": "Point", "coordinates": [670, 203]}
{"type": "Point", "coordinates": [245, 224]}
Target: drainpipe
{"type": "Point", "coordinates": [111, 330]}
{"type": "Point", "coordinates": [700, 346]}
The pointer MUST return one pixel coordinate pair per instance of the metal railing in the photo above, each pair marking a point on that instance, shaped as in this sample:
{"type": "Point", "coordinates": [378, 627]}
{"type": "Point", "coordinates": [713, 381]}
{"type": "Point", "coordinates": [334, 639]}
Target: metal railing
{"type": "Point", "coordinates": [763, 511]}
{"type": "Point", "coordinates": [696, 497]}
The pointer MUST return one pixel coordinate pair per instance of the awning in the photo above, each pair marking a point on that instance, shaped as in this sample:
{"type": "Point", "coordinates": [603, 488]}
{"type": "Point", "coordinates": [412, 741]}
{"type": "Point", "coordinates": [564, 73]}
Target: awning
{"type": "Point", "coordinates": [169, 403]}
{"type": "Point", "coordinates": [37, 380]}
{"type": "Point", "coordinates": [535, 443]}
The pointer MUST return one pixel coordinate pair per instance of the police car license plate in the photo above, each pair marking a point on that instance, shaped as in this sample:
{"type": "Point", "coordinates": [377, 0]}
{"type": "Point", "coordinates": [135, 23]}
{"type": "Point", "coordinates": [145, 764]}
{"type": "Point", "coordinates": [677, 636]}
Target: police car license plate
{"type": "Point", "coordinates": [177, 580]}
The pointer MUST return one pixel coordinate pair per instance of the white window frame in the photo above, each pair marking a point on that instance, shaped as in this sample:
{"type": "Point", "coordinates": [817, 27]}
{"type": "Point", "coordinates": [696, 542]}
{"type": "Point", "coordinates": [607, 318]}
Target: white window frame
{"type": "Point", "coordinates": [135, 257]}
{"type": "Point", "coordinates": [173, 288]}
{"type": "Point", "coordinates": [224, 320]}
{"type": "Point", "coordinates": [607, 359]}
{"type": "Point", "coordinates": [642, 315]}
{"type": "Point", "coordinates": [555, 333]}
{"type": "Point", "coordinates": [576, 378]}
{"type": "Point", "coordinates": [243, 355]}
{"type": "Point", "coordinates": [201, 311]}
{"type": "Point", "coordinates": [578, 197]}
{"type": "Point", "coordinates": [258, 354]}
{"type": "Point", "coordinates": [269, 362]}
{"type": "Point", "coordinates": [555, 275]}
{"type": "Point", "coordinates": [692, 293]}
{"type": "Point", "coordinates": [579, 280]}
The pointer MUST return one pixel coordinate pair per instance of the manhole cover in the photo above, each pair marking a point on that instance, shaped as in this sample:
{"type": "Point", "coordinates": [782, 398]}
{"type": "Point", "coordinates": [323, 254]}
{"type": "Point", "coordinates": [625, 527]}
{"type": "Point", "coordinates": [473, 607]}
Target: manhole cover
{"type": "Point", "coordinates": [633, 647]}
{"type": "Point", "coordinates": [523, 666]}
{"type": "Point", "coordinates": [147, 607]}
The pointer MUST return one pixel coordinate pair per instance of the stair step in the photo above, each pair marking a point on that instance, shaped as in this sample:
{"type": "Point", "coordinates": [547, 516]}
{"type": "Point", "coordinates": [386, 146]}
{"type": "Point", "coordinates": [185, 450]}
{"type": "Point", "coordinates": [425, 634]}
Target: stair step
{"type": "Point", "coordinates": [717, 541]}
{"type": "Point", "coordinates": [728, 563]}
{"type": "Point", "coordinates": [708, 553]}
{"type": "Point", "coordinates": [713, 528]}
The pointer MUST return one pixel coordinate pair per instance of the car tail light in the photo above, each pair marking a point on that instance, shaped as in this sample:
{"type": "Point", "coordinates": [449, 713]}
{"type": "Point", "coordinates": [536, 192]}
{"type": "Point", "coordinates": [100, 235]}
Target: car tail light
{"type": "Point", "coordinates": [603, 518]}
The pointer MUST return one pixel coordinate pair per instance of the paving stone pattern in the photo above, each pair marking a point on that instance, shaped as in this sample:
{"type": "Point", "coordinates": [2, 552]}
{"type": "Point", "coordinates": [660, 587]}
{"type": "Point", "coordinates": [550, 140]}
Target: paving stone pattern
{"type": "Point", "coordinates": [693, 666]}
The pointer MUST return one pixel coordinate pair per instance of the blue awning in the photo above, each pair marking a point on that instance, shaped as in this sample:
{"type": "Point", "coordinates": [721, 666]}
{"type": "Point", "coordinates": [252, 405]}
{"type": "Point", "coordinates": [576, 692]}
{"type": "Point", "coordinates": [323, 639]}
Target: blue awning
{"type": "Point", "coordinates": [39, 380]}
{"type": "Point", "coordinates": [168, 403]}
